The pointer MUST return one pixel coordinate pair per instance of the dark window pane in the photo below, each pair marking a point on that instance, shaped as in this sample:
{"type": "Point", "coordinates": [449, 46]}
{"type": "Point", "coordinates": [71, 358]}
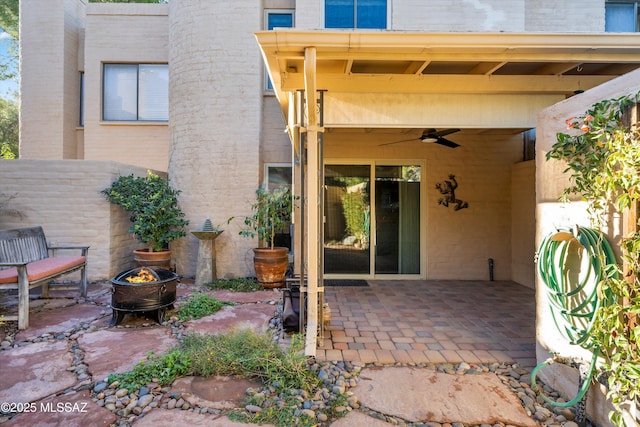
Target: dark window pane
{"type": "Point", "coordinates": [620, 17]}
{"type": "Point", "coordinates": [339, 14]}
{"type": "Point", "coordinates": [280, 20]}
{"type": "Point", "coordinates": [372, 14]}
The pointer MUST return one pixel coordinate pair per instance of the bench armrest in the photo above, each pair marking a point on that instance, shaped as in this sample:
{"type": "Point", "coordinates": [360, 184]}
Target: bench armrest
{"type": "Point", "coordinates": [12, 264]}
{"type": "Point", "coordinates": [83, 249]}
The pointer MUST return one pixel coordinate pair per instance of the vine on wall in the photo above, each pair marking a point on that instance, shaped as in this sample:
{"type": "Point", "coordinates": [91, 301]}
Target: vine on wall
{"type": "Point", "coordinates": [602, 153]}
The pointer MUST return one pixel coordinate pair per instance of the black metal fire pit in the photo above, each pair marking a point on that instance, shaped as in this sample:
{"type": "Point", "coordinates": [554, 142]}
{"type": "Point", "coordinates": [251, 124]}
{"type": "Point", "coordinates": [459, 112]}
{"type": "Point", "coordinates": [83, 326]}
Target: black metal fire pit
{"type": "Point", "coordinates": [155, 296]}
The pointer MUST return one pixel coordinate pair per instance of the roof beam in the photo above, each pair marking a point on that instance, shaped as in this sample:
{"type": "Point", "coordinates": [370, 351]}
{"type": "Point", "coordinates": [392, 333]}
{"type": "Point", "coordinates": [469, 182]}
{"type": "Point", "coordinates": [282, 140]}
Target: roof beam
{"type": "Point", "coordinates": [464, 55]}
{"type": "Point", "coordinates": [439, 83]}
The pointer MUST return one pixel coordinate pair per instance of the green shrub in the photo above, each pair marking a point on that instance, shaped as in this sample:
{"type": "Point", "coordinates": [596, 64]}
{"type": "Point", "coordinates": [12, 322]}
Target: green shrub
{"type": "Point", "coordinates": [199, 305]}
{"type": "Point", "coordinates": [165, 369]}
{"type": "Point", "coordinates": [245, 353]}
{"type": "Point", "coordinates": [241, 284]}
{"type": "Point", "coordinates": [241, 353]}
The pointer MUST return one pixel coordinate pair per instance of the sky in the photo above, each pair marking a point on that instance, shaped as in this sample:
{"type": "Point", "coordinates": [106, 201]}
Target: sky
{"type": "Point", "coordinates": [6, 86]}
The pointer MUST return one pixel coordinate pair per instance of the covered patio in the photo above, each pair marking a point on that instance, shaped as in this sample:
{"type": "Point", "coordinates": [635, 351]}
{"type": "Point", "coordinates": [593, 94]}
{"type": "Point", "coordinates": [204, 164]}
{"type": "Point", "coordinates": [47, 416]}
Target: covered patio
{"type": "Point", "coordinates": [366, 99]}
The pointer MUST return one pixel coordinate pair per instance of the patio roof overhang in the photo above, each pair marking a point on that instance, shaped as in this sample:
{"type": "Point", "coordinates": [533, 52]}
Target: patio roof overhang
{"type": "Point", "coordinates": [394, 79]}
{"type": "Point", "coordinates": [446, 63]}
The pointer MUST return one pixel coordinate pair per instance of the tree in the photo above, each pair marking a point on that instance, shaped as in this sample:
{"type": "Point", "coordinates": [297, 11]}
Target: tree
{"type": "Point", "coordinates": [8, 129]}
{"type": "Point", "coordinates": [9, 26]}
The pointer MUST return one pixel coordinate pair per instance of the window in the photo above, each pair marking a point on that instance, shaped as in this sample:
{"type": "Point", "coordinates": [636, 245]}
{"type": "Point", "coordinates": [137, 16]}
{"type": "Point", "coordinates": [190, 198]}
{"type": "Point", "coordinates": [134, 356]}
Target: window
{"type": "Point", "coordinates": [621, 16]}
{"type": "Point", "coordinates": [277, 175]}
{"type": "Point", "coordinates": [355, 14]}
{"type": "Point", "coordinates": [276, 18]}
{"type": "Point", "coordinates": [135, 92]}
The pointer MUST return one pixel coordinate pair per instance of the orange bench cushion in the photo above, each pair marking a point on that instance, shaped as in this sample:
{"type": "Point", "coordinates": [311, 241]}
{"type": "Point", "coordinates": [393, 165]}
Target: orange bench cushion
{"type": "Point", "coordinates": [37, 270]}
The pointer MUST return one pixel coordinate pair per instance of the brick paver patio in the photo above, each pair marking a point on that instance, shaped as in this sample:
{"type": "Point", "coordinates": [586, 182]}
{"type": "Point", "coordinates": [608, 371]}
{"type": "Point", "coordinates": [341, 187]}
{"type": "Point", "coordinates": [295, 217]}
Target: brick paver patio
{"type": "Point", "coordinates": [431, 322]}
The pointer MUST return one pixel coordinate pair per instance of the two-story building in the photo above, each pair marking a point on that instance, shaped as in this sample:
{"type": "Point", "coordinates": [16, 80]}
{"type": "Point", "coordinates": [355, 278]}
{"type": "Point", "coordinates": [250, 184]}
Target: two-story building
{"type": "Point", "coordinates": [408, 127]}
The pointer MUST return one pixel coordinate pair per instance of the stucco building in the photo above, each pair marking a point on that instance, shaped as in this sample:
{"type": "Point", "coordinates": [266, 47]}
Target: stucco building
{"type": "Point", "coordinates": [423, 111]}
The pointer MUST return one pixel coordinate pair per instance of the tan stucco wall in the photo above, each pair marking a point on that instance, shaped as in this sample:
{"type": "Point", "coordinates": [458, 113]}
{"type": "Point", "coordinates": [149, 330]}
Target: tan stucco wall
{"type": "Point", "coordinates": [523, 222]}
{"type": "Point", "coordinates": [63, 196]}
{"type": "Point", "coordinates": [458, 243]}
{"type": "Point", "coordinates": [49, 84]}
{"type": "Point", "coordinates": [275, 146]}
{"type": "Point", "coordinates": [550, 181]}
{"type": "Point", "coordinates": [129, 33]}
{"type": "Point", "coordinates": [343, 109]}
{"type": "Point", "coordinates": [216, 123]}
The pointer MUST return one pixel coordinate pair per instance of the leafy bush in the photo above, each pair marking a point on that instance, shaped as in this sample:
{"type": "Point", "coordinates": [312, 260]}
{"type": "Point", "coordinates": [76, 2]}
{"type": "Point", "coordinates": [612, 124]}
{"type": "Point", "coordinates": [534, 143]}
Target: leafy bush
{"type": "Point", "coordinates": [242, 284]}
{"type": "Point", "coordinates": [602, 153]}
{"type": "Point", "coordinates": [241, 353]}
{"type": "Point", "coordinates": [271, 212]}
{"type": "Point", "coordinates": [199, 305]}
{"type": "Point", "coordinates": [155, 215]}
{"type": "Point", "coordinates": [165, 369]}
{"type": "Point", "coordinates": [245, 353]}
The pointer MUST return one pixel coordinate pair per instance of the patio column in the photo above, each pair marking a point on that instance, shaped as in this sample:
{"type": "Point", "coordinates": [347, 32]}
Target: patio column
{"type": "Point", "coordinates": [314, 203]}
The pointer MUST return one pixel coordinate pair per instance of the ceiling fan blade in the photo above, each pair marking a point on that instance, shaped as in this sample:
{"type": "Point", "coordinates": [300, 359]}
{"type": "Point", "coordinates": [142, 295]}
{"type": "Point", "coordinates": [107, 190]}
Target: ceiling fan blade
{"type": "Point", "coordinates": [398, 142]}
{"type": "Point", "coordinates": [446, 143]}
{"type": "Point", "coordinates": [444, 132]}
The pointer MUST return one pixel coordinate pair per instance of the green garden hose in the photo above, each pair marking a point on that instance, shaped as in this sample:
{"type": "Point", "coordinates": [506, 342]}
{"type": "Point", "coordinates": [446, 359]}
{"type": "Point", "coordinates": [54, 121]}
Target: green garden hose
{"type": "Point", "coordinates": [571, 264]}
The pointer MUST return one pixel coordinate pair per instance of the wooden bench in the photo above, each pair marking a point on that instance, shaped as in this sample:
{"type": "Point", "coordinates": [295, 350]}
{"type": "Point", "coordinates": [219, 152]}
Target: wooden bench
{"type": "Point", "coordinates": [27, 261]}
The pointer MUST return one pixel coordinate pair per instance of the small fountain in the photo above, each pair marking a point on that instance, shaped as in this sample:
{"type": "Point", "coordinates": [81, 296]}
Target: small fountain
{"type": "Point", "coordinates": [206, 267]}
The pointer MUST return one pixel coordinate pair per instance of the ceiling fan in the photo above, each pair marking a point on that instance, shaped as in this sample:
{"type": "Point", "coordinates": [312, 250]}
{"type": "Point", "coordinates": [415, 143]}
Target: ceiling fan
{"type": "Point", "coordinates": [432, 136]}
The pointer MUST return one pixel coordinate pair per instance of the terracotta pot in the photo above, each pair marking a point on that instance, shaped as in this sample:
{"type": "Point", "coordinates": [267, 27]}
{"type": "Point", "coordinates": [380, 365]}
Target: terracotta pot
{"type": "Point", "coordinates": [271, 266]}
{"type": "Point", "coordinates": [144, 258]}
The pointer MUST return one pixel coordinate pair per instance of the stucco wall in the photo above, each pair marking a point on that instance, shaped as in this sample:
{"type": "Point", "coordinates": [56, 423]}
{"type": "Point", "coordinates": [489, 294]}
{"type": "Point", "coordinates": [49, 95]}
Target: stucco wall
{"type": "Point", "coordinates": [550, 181]}
{"type": "Point", "coordinates": [216, 121]}
{"type": "Point", "coordinates": [587, 16]}
{"type": "Point", "coordinates": [50, 81]}
{"type": "Point", "coordinates": [275, 146]}
{"type": "Point", "coordinates": [523, 223]}
{"type": "Point", "coordinates": [458, 243]}
{"type": "Point", "coordinates": [123, 33]}
{"type": "Point", "coordinates": [63, 196]}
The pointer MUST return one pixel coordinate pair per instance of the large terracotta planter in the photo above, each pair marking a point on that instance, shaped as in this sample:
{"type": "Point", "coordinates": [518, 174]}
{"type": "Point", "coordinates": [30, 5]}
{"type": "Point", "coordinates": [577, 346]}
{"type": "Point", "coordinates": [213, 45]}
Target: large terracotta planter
{"type": "Point", "coordinates": [271, 266]}
{"type": "Point", "coordinates": [144, 258]}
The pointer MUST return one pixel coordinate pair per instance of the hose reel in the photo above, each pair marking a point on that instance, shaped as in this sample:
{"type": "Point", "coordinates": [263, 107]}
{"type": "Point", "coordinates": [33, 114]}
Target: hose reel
{"type": "Point", "coordinates": [571, 263]}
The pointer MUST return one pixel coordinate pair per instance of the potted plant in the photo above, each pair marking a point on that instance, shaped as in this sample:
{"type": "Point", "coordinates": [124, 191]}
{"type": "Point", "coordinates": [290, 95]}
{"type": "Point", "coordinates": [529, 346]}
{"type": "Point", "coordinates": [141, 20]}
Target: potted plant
{"type": "Point", "coordinates": [271, 213]}
{"type": "Point", "coordinates": [156, 217]}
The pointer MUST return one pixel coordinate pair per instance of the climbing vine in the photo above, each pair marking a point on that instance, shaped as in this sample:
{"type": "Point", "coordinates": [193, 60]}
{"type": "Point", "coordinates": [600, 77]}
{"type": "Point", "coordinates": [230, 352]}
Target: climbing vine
{"type": "Point", "coordinates": [602, 153]}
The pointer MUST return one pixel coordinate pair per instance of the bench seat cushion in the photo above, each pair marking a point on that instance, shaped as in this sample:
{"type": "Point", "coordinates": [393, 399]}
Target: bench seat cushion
{"type": "Point", "coordinates": [37, 270]}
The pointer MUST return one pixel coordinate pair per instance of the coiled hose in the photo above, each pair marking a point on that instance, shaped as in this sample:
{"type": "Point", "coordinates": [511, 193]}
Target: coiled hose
{"type": "Point", "coordinates": [571, 263]}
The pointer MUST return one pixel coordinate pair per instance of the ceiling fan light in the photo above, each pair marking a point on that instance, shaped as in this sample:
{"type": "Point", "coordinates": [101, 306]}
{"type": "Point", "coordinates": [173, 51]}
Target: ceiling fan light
{"type": "Point", "coordinates": [428, 139]}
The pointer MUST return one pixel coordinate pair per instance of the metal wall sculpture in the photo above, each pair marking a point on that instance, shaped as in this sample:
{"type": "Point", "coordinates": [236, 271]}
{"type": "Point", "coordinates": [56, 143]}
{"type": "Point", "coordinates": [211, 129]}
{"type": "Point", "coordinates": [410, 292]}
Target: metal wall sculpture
{"type": "Point", "coordinates": [448, 188]}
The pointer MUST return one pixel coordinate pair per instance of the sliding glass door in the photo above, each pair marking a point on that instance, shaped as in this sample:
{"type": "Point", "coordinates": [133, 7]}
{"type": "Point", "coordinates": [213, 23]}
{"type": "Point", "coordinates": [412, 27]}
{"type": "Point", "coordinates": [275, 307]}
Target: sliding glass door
{"type": "Point", "coordinates": [347, 227]}
{"type": "Point", "coordinates": [372, 220]}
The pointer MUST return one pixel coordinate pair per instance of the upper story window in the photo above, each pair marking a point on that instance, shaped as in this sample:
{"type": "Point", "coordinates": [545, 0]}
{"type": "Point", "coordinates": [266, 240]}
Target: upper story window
{"type": "Point", "coordinates": [276, 18]}
{"type": "Point", "coordinates": [135, 92]}
{"type": "Point", "coordinates": [355, 14]}
{"type": "Point", "coordinates": [621, 16]}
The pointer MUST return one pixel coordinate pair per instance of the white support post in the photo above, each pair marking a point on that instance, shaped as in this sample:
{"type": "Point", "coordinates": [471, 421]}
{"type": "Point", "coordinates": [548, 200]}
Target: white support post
{"type": "Point", "coordinates": [313, 199]}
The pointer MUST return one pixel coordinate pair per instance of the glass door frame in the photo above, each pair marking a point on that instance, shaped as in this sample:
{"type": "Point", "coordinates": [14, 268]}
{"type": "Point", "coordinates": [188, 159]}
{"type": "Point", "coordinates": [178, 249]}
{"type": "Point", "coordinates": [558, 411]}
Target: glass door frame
{"type": "Point", "coordinates": [372, 163]}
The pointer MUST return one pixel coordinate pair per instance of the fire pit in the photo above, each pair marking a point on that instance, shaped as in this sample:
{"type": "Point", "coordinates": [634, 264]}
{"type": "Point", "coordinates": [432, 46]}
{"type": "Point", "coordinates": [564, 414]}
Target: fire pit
{"type": "Point", "coordinates": [143, 289]}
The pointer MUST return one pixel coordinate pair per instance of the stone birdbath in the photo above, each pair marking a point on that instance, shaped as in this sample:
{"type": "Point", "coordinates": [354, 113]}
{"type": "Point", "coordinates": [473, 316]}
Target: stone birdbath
{"type": "Point", "coordinates": [206, 267]}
